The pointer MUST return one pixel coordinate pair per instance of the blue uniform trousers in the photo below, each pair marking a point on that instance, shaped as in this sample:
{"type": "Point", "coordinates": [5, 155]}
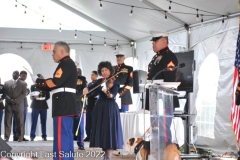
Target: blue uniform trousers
{"type": "Point", "coordinates": [63, 138]}
{"type": "Point", "coordinates": [88, 123]}
{"type": "Point", "coordinates": [43, 118]}
{"type": "Point", "coordinates": [15, 125]}
{"type": "Point", "coordinates": [1, 114]}
{"type": "Point", "coordinates": [124, 108]}
{"type": "Point", "coordinates": [80, 136]}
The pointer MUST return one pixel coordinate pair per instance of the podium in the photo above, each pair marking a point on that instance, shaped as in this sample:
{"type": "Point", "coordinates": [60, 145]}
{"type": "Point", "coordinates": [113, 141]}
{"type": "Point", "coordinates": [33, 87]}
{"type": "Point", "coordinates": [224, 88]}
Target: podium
{"type": "Point", "coordinates": [161, 109]}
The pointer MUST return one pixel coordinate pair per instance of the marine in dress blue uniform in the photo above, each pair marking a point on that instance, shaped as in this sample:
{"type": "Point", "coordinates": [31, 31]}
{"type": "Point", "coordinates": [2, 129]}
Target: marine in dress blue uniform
{"type": "Point", "coordinates": [81, 84]}
{"type": "Point", "coordinates": [164, 58]}
{"type": "Point", "coordinates": [91, 100]}
{"type": "Point", "coordinates": [39, 107]}
{"type": "Point", "coordinates": [125, 79]}
{"type": "Point", "coordinates": [64, 102]}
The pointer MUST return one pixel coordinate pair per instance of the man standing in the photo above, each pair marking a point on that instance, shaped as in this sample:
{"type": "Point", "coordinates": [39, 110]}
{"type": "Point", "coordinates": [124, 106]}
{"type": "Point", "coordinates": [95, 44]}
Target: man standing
{"type": "Point", "coordinates": [23, 77]}
{"type": "Point", "coordinates": [81, 84]}
{"type": "Point", "coordinates": [91, 100]}
{"type": "Point", "coordinates": [15, 90]}
{"type": "Point", "coordinates": [64, 103]}
{"type": "Point", "coordinates": [125, 80]}
{"type": "Point", "coordinates": [39, 107]}
{"type": "Point", "coordinates": [164, 58]}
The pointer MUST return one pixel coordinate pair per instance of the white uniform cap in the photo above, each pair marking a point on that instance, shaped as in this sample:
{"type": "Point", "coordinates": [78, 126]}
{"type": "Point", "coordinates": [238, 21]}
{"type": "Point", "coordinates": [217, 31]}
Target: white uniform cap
{"type": "Point", "coordinates": [158, 34]}
{"type": "Point", "coordinates": [119, 53]}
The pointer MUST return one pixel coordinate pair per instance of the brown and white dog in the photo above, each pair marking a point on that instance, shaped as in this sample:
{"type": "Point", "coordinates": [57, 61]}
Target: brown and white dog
{"type": "Point", "coordinates": [171, 152]}
{"type": "Point", "coordinates": [131, 143]}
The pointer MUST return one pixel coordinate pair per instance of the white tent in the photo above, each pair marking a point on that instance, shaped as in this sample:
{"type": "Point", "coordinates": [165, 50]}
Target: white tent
{"type": "Point", "coordinates": [213, 42]}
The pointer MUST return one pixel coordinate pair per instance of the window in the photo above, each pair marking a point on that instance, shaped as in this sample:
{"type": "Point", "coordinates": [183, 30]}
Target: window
{"type": "Point", "coordinates": [206, 97]}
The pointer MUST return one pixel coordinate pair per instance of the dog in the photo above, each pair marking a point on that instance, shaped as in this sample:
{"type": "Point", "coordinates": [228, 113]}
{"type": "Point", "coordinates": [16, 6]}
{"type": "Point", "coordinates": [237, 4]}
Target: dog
{"type": "Point", "coordinates": [171, 152]}
{"type": "Point", "coordinates": [130, 146]}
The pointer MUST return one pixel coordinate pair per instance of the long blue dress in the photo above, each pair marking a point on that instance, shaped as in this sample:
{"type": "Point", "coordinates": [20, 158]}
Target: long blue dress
{"type": "Point", "coordinates": [106, 124]}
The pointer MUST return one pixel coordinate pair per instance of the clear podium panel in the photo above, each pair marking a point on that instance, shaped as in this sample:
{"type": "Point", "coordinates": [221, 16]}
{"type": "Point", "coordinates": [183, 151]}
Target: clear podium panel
{"type": "Point", "coordinates": [161, 109]}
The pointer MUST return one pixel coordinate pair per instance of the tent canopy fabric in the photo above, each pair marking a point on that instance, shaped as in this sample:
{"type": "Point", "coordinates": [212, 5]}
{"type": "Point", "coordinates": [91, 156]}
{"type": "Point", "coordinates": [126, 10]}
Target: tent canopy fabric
{"type": "Point", "coordinates": [115, 19]}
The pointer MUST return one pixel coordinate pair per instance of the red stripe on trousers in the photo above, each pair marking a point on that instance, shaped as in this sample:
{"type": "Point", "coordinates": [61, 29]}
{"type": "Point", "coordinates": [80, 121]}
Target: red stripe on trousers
{"type": "Point", "coordinates": [165, 128]}
{"type": "Point", "coordinates": [59, 136]}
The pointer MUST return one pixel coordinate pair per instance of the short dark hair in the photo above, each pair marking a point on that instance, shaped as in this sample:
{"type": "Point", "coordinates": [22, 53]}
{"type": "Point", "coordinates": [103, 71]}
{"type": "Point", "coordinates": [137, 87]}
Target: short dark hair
{"type": "Point", "coordinates": [105, 64]}
{"type": "Point", "coordinates": [23, 72]}
{"type": "Point", "coordinates": [79, 70]}
{"type": "Point", "coordinates": [39, 75]}
{"type": "Point", "coordinates": [64, 45]}
{"type": "Point", "coordinates": [16, 71]}
{"type": "Point", "coordinates": [94, 72]}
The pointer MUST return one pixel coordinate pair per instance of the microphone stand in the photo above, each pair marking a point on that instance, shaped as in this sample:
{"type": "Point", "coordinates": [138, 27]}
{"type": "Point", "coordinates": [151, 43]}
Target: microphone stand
{"type": "Point", "coordinates": [165, 69]}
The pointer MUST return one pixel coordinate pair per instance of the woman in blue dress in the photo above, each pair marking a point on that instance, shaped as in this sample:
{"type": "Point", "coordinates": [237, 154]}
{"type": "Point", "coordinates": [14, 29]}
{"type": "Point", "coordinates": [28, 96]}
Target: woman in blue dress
{"type": "Point", "coordinates": [106, 124]}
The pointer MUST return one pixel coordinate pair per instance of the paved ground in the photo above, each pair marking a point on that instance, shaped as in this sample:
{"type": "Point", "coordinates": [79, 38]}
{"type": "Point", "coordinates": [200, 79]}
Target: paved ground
{"type": "Point", "coordinates": [43, 150]}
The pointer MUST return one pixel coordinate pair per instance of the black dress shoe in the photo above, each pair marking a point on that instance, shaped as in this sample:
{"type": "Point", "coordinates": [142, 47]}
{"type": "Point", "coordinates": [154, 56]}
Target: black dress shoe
{"type": "Point", "coordinates": [15, 139]}
{"type": "Point", "coordinates": [32, 139]}
{"type": "Point", "coordinates": [81, 148]}
{"type": "Point", "coordinates": [24, 139]}
{"type": "Point", "coordinates": [86, 139]}
{"type": "Point", "coordinates": [44, 139]}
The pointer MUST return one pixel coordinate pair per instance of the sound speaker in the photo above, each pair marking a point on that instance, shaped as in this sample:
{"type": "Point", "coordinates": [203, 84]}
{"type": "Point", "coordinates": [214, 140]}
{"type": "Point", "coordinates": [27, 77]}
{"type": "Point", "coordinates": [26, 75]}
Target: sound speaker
{"type": "Point", "coordinates": [139, 81]}
{"type": "Point", "coordinates": [4, 148]}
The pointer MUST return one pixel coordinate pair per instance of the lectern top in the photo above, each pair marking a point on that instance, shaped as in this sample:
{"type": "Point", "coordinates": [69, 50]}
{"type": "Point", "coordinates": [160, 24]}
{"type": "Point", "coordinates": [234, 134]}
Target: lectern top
{"type": "Point", "coordinates": [163, 88]}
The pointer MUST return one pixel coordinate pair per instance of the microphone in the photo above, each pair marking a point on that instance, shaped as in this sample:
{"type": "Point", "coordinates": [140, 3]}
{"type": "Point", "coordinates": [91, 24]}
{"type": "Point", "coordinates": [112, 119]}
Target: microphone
{"type": "Point", "coordinates": [167, 69]}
